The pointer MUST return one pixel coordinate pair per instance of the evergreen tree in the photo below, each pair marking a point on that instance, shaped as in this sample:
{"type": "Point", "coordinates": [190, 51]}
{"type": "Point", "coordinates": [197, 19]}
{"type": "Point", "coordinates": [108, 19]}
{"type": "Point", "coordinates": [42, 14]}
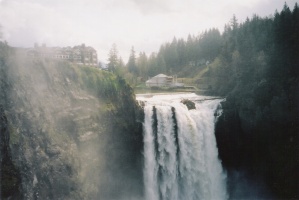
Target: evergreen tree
{"type": "Point", "coordinates": [120, 67]}
{"type": "Point", "coordinates": [234, 22]}
{"type": "Point", "coordinates": [113, 58]}
{"type": "Point", "coordinates": [181, 51]}
{"type": "Point", "coordinates": [132, 67]}
{"type": "Point", "coordinates": [142, 64]}
{"type": "Point", "coordinates": [153, 66]}
{"type": "Point", "coordinates": [190, 48]}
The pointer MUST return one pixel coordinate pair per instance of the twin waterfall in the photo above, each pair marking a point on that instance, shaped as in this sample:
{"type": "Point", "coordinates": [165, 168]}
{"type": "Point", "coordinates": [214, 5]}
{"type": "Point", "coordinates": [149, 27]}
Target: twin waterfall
{"type": "Point", "coordinates": [180, 152]}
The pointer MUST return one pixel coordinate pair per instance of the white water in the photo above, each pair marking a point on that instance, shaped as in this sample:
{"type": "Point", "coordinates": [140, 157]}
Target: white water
{"type": "Point", "coordinates": [180, 152]}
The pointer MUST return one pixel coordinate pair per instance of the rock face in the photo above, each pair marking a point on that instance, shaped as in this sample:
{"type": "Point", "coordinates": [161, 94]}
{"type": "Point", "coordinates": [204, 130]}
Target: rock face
{"type": "Point", "coordinates": [190, 105]}
{"type": "Point", "coordinates": [10, 177]}
{"type": "Point", "coordinates": [67, 132]}
{"type": "Point", "coordinates": [264, 151]}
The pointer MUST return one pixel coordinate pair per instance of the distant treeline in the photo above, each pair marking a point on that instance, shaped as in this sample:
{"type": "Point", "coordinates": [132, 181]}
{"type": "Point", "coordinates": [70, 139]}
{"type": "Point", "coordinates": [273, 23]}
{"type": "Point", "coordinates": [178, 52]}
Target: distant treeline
{"type": "Point", "coordinates": [247, 51]}
{"type": "Point", "coordinates": [172, 57]}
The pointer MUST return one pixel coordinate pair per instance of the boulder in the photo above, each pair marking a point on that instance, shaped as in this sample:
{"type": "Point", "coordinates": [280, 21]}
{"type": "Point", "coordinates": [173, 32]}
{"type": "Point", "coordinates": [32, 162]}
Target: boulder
{"type": "Point", "coordinates": [190, 104]}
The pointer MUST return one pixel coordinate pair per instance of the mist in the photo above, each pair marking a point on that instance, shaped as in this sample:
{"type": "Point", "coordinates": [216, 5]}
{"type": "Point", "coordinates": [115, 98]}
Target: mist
{"type": "Point", "coordinates": [144, 25]}
{"type": "Point", "coordinates": [63, 136]}
{"type": "Point", "coordinates": [241, 185]}
{"type": "Point", "coordinates": [70, 129]}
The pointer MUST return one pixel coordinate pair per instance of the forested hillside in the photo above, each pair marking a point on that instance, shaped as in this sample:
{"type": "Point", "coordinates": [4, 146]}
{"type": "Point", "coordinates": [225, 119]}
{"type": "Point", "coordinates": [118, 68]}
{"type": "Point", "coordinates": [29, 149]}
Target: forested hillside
{"type": "Point", "coordinates": [254, 64]}
{"type": "Point", "coordinates": [248, 51]}
{"type": "Point", "coordinates": [257, 70]}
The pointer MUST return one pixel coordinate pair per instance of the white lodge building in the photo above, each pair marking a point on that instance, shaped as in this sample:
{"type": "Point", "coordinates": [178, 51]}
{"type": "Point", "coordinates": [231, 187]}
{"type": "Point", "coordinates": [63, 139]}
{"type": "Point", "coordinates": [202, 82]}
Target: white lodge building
{"type": "Point", "coordinates": [162, 80]}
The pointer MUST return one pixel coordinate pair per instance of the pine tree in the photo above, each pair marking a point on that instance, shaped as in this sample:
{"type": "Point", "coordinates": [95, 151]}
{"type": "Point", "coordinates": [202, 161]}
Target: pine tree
{"type": "Point", "coordinates": [234, 22]}
{"type": "Point", "coordinates": [142, 64]}
{"type": "Point", "coordinates": [113, 59]}
{"type": "Point", "coordinates": [132, 67]}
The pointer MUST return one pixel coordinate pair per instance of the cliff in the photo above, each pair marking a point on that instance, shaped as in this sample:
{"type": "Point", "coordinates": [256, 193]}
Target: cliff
{"type": "Point", "coordinates": [67, 132]}
{"type": "Point", "coordinates": [260, 144]}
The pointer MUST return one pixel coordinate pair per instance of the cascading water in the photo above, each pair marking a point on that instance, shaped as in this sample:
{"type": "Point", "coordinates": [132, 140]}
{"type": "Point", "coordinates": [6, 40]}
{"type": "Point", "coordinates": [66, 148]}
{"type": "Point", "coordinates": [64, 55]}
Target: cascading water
{"type": "Point", "coordinates": [180, 152]}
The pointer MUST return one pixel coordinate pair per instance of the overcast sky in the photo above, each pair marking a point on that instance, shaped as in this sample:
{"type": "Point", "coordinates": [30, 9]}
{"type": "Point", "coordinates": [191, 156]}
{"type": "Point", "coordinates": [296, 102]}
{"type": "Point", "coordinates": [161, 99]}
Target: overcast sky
{"type": "Point", "coordinates": [144, 24]}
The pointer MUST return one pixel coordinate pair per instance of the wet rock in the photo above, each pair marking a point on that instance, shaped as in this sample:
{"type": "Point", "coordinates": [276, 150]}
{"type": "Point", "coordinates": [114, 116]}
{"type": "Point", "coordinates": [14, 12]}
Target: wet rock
{"type": "Point", "coordinates": [190, 104]}
{"type": "Point", "coordinates": [52, 150]}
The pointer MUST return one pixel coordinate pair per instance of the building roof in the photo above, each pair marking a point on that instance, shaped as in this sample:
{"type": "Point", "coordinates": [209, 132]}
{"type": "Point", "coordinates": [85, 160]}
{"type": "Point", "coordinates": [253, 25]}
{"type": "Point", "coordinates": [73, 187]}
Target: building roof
{"type": "Point", "coordinates": [160, 76]}
{"type": "Point", "coordinates": [152, 80]}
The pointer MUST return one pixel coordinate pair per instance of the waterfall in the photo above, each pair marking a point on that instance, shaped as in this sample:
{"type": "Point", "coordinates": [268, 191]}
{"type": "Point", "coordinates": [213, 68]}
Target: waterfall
{"type": "Point", "coordinates": [180, 152]}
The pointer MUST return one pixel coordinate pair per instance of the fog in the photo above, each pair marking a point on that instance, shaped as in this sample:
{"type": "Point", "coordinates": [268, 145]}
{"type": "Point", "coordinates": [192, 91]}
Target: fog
{"type": "Point", "coordinates": [244, 186]}
{"type": "Point", "coordinates": [64, 140]}
{"type": "Point", "coordinates": [142, 24]}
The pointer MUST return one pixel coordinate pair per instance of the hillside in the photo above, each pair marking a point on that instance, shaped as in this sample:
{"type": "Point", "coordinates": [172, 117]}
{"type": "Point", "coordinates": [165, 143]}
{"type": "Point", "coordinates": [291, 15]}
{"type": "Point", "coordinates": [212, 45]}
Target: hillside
{"type": "Point", "coordinates": [67, 131]}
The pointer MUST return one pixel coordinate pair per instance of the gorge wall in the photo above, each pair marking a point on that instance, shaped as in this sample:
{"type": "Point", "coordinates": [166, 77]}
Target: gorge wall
{"type": "Point", "coordinates": [67, 132]}
{"type": "Point", "coordinates": [259, 149]}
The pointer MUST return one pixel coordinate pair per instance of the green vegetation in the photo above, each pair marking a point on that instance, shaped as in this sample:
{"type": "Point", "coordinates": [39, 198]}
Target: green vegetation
{"type": "Point", "coordinates": [254, 64]}
{"type": "Point", "coordinates": [105, 85]}
{"type": "Point", "coordinates": [63, 129]}
{"type": "Point", "coordinates": [184, 58]}
{"type": "Point", "coordinates": [257, 69]}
